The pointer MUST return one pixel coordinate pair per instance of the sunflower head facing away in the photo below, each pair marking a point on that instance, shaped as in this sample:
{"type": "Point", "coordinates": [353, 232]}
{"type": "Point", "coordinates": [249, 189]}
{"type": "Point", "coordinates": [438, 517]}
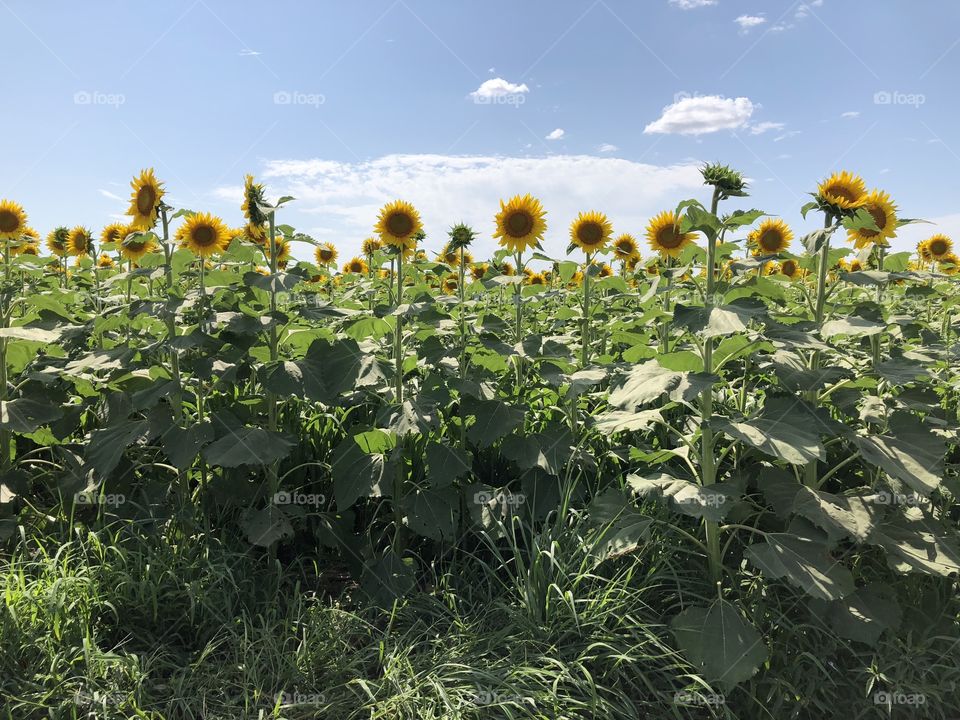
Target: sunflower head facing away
{"type": "Point", "coordinates": [145, 200]}
{"type": "Point", "coordinates": [57, 241]}
{"type": "Point", "coordinates": [134, 244]}
{"type": "Point", "coordinates": [520, 223]}
{"type": "Point", "coordinates": [461, 235]}
{"type": "Point", "coordinates": [590, 231]}
{"type": "Point", "coordinates": [843, 190]}
{"type": "Point", "coordinates": [398, 224]}
{"type": "Point", "coordinates": [727, 181]}
{"type": "Point", "coordinates": [12, 220]}
{"type": "Point", "coordinates": [625, 247]}
{"type": "Point", "coordinates": [325, 254]}
{"type": "Point", "coordinates": [253, 198]}
{"type": "Point", "coordinates": [884, 214]}
{"type": "Point", "coordinates": [772, 237]}
{"type": "Point", "coordinates": [950, 264]}
{"type": "Point", "coordinates": [356, 265]}
{"type": "Point", "coordinates": [506, 268]}
{"type": "Point", "coordinates": [938, 246]}
{"type": "Point", "coordinates": [479, 270]}
{"type": "Point", "coordinates": [204, 235]}
{"type": "Point", "coordinates": [79, 242]}
{"type": "Point", "coordinates": [664, 236]}
{"type": "Point", "coordinates": [370, 246]}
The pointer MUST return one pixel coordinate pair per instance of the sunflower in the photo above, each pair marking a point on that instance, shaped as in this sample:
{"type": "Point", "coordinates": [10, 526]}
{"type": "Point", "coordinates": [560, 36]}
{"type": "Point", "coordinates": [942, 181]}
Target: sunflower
{"type": "Point", "coordinates": [631, 263]}
{"type": "Point", "coordinates": [950, 264]}
{"type": "Point", "coordinates": [664, 236]}
{"type": "Point", "coordinates": [479, 270]}
{"type": "Point", "coordinates": [29, 249]}
{"type": "Point", "coordinates": [605, 271]}
{"type": "Point", "coordinates": [537, 279]}
{"type": "Point", "coordinates": [113, 233]}
{"type": "Point", "coordinates": [771, 238]}
{"type": "Point", "coordinates": [398, 224]}
{"type": "Point", "coordinates": [844, 190]}
{"type": "Point", "coordinates": [105, 261]}
{"type": "Point", "coordinates": [576, 280]}
{"type": "Point", "coordinates": [370, 246]}
{"type": "Point", "coordinates": [625, 247]}
{"type": "Point", "coordinates": [590, 231]}
{"type": "Point", "coordinates": [884, 214]}
{"type": "Point", "coordinates": [791, 268]}
{"type": "Point", "coordinates": [356, 265]}
{"type": "Point", "coordinates": [253, 197]}
{"type": "Point", "coordinates": [79, 242]}
{"type": "Point", "coordinates": [507, 269]}
{"type": "Point", "coordinates": [528, 273]}
{"type": "Point", "coordinates": [325, 254]}
{"type": "Point", "coordinates": [283, 251]}
{"type": "Point", "coordinates": [145, 200]}
{"type": "Point", "coordinates": [450, 283]}
{"type": "Point", "coordinates": [520, 223]}
{"type": "Point", "coordinates": [57, 241]}
{"type": "Point", "coordinates": [28, 238]}
{"type": "Point", "coordinates": [134, 244]}
{"type": "Point", "coordinates": [12, 220]}
{"type": "Point", "coordinates": [204, 234]}
{"type": "Point", "coordinates": [938, 246]}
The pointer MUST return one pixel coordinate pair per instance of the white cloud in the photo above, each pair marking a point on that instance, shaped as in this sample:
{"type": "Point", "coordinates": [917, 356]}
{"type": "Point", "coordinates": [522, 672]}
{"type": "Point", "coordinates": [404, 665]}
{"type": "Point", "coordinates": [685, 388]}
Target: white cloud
{"type": "Point", "coordinates": [247, 52]}
{"type": "Point", "coordinates": [692, 4]}
{"type": "Point", "coordinates": [851, 114]}
{"type": "Point", "coordinates": [804, 8]}
{"type": "Point", "coordinates": [555, 134]}
{"type": "Point", "coordinates": [498, 87]}
{"type": "Point", "coordinates": [343, 198]}
{"type": "Point", "coordinates": [787, 135]}
{"type": "Point", "coordinates": [607, 148]}
{"type": "Point", "coordinates": [763, 127]}
{"type": "Point", "coordinates": [703, 114]}
{"type": "Point", "coordinates": [108, 194]}
{"type": "Point", "coordinates": [747, 22]}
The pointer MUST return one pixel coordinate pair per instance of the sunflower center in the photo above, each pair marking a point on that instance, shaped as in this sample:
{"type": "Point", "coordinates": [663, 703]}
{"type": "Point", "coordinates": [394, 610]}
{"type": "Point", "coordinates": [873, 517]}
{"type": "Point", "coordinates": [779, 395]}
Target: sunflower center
{"type": "Point", "coordinates": [669, 238]}
{"type": "Point", "coordinates": [938, 247]}
{"type": "Point", "coordinates": [400, 224]}
{"type": "Point", "coordinates": [146, 197]}
{"type": "Point", "coordinates": [519, 224]}
{"type": "Point", "coordinates": [842, 192]}
{"type": "Point", "coordinates": [771, 241]}
{"type": "Point", "coordinates": [625, 246]}
{"type": "Point", "coordinates": [789, 267]}
{"type": "Point", "coordinates": [879, 218]}
{"type": "Point", "coordinates": [590, 234]}
{"type": "Point", "coordinates": [204, 236]}
{"type": "Point", "coordinates": [326, 255]}
{"type": "Point", "coordinates": [9, 221]}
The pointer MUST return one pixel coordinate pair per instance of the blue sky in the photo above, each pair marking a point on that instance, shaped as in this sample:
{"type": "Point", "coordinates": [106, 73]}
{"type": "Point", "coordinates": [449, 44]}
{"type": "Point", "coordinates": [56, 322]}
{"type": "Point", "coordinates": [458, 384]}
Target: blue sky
{"type": "Point", "coordinates": [606, 104]}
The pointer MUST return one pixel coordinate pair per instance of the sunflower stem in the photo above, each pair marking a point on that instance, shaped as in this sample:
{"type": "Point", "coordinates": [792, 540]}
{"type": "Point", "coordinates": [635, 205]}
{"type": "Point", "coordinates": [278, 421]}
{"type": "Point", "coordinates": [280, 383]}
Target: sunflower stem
{"type": "Point", "coordinates": [177, 397]}
{"type": "Point", "coordinates": [274, 353]}
{"type": "Point", "coordinates": [6, 439]}
{"type": "Point", "coordinates": [585, 339]}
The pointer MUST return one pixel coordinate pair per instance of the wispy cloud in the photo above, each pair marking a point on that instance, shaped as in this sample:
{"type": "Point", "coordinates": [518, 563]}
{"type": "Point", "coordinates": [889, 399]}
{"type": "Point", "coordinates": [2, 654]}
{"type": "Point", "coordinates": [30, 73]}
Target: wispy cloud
{"type": "Point", "coordinates": [692, 4]}
{"type": "Point", "coordinates": [763, 127]}
{"type": "Point", "coordinates": [607, 148]}
{"type": "Point", "coordinates": [850, 114]}
{"type": "Point", "coordinates": [748, 22]}
{"type": "Point", "coordinates": [247, 52]}
{"type": "Point", "coordinates": [701, 115]}
{"type": "Point", "coordinates": [555, 134]}
{"type": "Point", "coordinates": [787, 135]}
{"type": "Point", "coordinates": [108, 194]}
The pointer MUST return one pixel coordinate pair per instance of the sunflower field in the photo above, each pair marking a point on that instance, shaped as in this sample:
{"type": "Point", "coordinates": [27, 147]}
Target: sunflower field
{"type": "Point", "coordinates": [710, 470]}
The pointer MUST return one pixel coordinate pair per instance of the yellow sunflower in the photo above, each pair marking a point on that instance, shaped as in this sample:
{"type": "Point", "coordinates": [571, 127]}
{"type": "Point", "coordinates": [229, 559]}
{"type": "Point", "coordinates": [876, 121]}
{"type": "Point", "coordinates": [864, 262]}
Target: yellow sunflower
{"type": "Point", "coordinates": [79, 242]}
{"type": "Point", "coordinates": [590, 231]}
{"type": "Point", "coordinates": [576, 279]}
{"type": "Point", "coordinates": [204, 234]}
{"type": "Point", "coordinates": [398, 224]}
{"type": "Point", "coordinates": [356, 265]}
{"type": "Point", "coordinates": [791, 268]}
{"type": "Point", "coordinates": [105, 261]}
{"type": "Point", "coordinates": [325, 254]}
{"type": "Point", "coordinates": [625, 247]}
{"type": "Point", "coordinates": [113, 233]}
{"type": "Point", "coordinates": [771, 238]}
{"type": "Point", "coordinates": [253, 195]}
{"type": "Point", "coordinates": [537, 279]}
{"type": "Point", "coordinates": [28, 238]}
{"type": "Point", "coordinates": [283, 251]}
{"type": "Point", "coordinates": [134, 244]}
{"type": "Point", "coordinates": [370, 246]}
{"type": "Point", "coordinates": [450, 283]}
{"type": "Point", "coordinates": [145, 200]}
{"type": "Point", "coordinates": [950, 264]}
{"type": "Point", "coordinates": [884, 213]}
{"type": "Point", "coordinates": [12, 220]}
{"type": "Point", "coordinates": [507, 269]}
{"type": "Point", "coordinates": [938, 246]}
{"type": "Point", "coordinates": [479, 270]}
{"type": "Point", "coordinates": [664, 236]}
{"type": "Point", "coordinates": [843, 189]}
{"type": "Point", "coordinates": [57, 241]}
{"type": "Point", "coordinates": [520, 223]}
{"type": "Point", "coordinates": [29, 249]}
{"type": "Point", "coordinates": [605, 271]}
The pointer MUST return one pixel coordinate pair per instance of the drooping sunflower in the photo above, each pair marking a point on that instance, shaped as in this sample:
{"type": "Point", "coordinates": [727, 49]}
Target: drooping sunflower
{"type": "Point", "coordinates": [356, 265]}
{"type": "Point", "coordinates": [664, 236]}
{"type": "Point", "coordinates": [57, 241]}
{"type": "Point", "coordinates": [253, 197]}
{"type": "Point", "coordinates": [398, 224]}
{"type": "Point", "coordinates": [12, 220]}
{"type": "Point", "coordinates": [28, 238]}
{"type": "Point", "coordinates": [105, 261]}
{"type": "Point", "coordinates": [884, 213]}
{"type": "Point", "coordinates": [29, 249]}
{"type": "Point", "coordinates": [938, 246]}
{"type": "Point", "coordinates": [771, 238]}
{"type": "Point", "coordinates": [950, 264]}
{"type": "Point", "coordinates": [370, 246]}
{"type": "Point", "coordinates": [450, 283]}
{"type": "Point", "coordinates": [79, 242]}
{"type": "Point", "coordinates": [520, 223]}
{"type": "Point", "coordinates": [605, 271]}
{"type": "Point", "coordinates": [625, 247]}
{"type": "Point", "coordinates": [204, 235]}
{"type": "Point", "coordinates": [923, 252]}
{"type": "Point", "coordinates": [134, 244]}
{"type": "Point", "coordinates": [507, 269]}
{"type": "Point", "coordinates": [113, 233]}
{"type": "Point", "coordinates": [325, 254]}
{"type": "Point", "coordinates": [145, 200]}
{"type": "Point", "coordinates": [844, 190]}
{"type": "Point", "coordinates": [479, 270]}
{"type": "Point", "coordinates": [631, 263]}
{"type": "Point", "coordinates": [590, 231]}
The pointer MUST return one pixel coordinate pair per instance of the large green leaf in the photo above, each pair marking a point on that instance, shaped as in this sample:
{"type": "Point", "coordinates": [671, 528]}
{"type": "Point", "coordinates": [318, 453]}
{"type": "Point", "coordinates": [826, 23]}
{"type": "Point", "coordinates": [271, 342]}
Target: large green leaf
{"type": "Point", "coordinates": [433, 513]}
{"type": "Point", "coordinates": [917, 543]}
{"type": "Point", "coordinates": [865, 614]}
{"type": "Point", "coordinates": [620, 526]}
{"type": "Point", "coordinates": [711, 502]}
{"type": "Point", "coordinates": [24, 415]}
{"type": "Point", "coordinates": [649, 381]}
{"type": "Point", "coordinates": [494, 419]}
{"type": "Point", "coordinates": [355, 473]}
{"type": "Point", "coordinates": [445, 464]}
{"type": "Point", "coordinates": [248, 446]}
{"type": "Point", "coordinates": [804, 563]}
{"type": "Point", "coordinates": [779, 438]}
{"type": "Point", "coordinates": [910, 452]}
{"type": "Point", "coordinates": [722, 646]}
{"type": "Point", "coordinates": [266, 526]}
{"type": "Point", "coordinates": [107, 445]}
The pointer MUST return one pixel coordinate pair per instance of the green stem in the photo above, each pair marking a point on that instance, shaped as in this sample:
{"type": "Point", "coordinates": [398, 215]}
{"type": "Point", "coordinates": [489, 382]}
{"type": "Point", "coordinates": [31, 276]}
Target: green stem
{"type": "Point", "coordinates": [585, 334]}
{"type": "Point", "coordinates": [810, 470]}
{"type": "Point", "coordinates": [398, 335]}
